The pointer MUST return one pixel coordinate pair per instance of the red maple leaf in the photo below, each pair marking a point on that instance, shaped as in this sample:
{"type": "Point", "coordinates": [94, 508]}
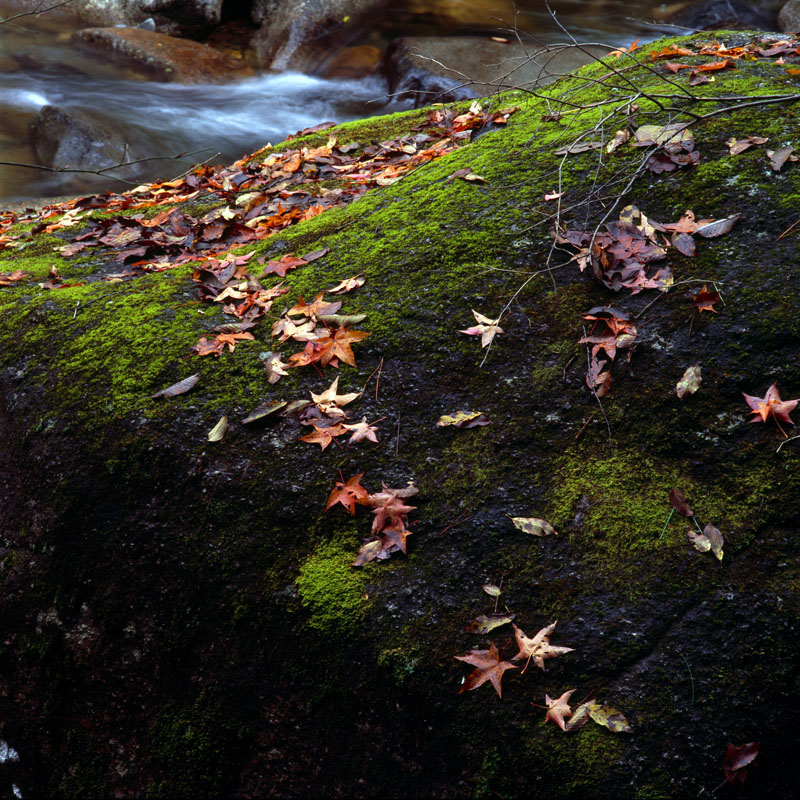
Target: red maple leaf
{"type": "Point", "coordinates": [736, 759]}
{"type": "Point", "coordinates": [489, 667]}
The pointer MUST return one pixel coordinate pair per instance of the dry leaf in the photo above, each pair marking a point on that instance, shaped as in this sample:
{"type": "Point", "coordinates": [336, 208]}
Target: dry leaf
{"type": "Point", "coordinates": [534, 526]}
{"type": "Point", "coordinates": [689, 382]}
{"type": "Point", "coordinates": [178, 388]}
{"type": "Point", "coordinates": [538, 648]}
{"type": "Point", "coordinates": [484, 624]}
{"type": "Point", "coordinates": [463, 419]}
{"type": "Point", "coordinates": [219, 430]}
{"type": "Point", "coordinates": [489, 667]}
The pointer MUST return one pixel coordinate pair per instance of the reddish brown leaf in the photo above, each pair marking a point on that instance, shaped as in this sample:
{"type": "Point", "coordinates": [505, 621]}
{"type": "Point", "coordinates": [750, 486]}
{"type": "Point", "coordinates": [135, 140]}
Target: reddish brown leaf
{"type": "Point", "coordinates": [488, 666]}
{"type": "Point", "coordinates": [678, 502]}
{"type": "Point", "coordinates": [323, 436]}
{"type": "Point", "coordinates": [736, 759]}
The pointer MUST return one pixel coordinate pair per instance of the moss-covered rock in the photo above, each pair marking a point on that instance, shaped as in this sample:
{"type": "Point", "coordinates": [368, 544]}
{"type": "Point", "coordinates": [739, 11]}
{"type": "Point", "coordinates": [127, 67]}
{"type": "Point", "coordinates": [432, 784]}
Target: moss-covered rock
{"type": "Point", "coordinates": [181, 617]}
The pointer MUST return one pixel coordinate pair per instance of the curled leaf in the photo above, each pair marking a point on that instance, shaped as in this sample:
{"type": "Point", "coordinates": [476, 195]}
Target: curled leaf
{"type": "Point", "coordinates": [219, 430]}
{"type": "Point", "coordinates": [484, 624]}
{"type": "Point", "coordinates": [534, 526]}
{"type": "Point", "coordinates": [463, 419]}
{"type": "Point", "coordinates": [264, 410]}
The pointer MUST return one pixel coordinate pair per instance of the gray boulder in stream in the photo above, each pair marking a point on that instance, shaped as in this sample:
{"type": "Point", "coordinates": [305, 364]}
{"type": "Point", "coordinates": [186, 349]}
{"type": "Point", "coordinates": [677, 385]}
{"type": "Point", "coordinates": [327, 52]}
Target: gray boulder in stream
{"type": "Point", "coordinates": [181, 614]}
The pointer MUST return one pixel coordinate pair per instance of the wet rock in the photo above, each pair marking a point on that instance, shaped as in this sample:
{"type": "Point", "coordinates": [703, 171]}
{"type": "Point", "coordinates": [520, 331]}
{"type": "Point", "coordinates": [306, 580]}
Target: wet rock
{"type": "Point", "coordinates": [789, 17]}
{"type": "Point", "coordinates": [179, 17]}
{"type": "Point", "coordinates": [163, 57]}
{"type": "Point", "coordinates": [475, 15]}
{"type": "Point", "coordinates": [78, 139]}
{"type": "Point", "coordinates": [352, 62]}
{"type": "Point", "coordinates": [292, 34]}
{"type": "Point", "coordinates": [443, 69]}
{"type": "Point", "coordinates": [727, 15]}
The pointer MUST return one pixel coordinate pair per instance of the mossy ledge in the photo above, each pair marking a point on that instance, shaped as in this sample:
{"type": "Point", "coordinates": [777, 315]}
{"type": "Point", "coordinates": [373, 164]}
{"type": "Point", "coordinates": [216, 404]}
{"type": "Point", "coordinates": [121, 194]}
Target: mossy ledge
{"type": "Point", "coordinates": [180, 617]}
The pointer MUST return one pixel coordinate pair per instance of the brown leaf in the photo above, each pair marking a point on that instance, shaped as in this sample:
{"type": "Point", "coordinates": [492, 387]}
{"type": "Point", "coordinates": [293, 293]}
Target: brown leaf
{"type": "Point", "coordinates": [362, 430]}
{"type": "Point", "coordinates": [736, 759]}
{"type": "Point", "coordinates": [559, 708]}
{"type": "Point", "coordinates": [678, 502]}
{"type": "Point", "coordinates": [178, 388]}
{"type": "Point", "coordinates": [718, 228]}
{"type": "Point", "coordinates": [323, 436]}
{"type": "Point", "coordinates": [489, 667]}
{"type": "Point", "coordinates": [538, 648]}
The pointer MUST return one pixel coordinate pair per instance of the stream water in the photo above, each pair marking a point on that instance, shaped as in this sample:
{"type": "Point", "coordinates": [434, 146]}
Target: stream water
{"type": "Point", "coordinates": [38, 66]}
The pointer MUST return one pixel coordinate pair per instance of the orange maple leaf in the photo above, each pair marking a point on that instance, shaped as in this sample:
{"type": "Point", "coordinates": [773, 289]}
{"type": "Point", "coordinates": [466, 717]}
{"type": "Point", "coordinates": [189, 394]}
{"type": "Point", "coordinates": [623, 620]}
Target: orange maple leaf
{"type": "Point", "coordinates": [323, 436]}
{"type": "Point", "coordinates": [770, 405]}
{"type": "Point", "coordinates": [338, 346]}
{"type": "Point", "coordinates": [705, 300]}
{"type": "Point", "coordinates": [348, 494]}
{"type": "Point", "coordinates": [489, 668]}
{"type": "Point", "coordinates": [558, 709]}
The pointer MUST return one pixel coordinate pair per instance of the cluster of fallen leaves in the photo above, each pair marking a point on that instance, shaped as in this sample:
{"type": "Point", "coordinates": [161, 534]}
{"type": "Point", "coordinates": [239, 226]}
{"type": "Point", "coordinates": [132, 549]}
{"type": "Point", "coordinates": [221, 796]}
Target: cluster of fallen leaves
{"type": "Point", "coordinates": [621, 255]}
{"type": "Point", "coordinates": [708, 538]}
{"type": "Point", "coordinates": [764, 48]}
{"type": "Point", "coordinates": [611, 330]}
{"type": "Point", "coordinates": [390, 523]}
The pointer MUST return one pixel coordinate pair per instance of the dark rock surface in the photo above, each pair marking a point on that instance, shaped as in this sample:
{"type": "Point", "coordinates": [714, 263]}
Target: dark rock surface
{"type": "Point", "coordinates": [79, 139]}
{"type": "Point", "coordinates": [180, 617]}
{"type": "Point", "coordinates": [727, 15]}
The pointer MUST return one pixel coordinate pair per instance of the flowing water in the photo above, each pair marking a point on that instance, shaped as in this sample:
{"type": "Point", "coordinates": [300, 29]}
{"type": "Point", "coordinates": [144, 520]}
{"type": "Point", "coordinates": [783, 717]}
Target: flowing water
{"type": "Point", "coordinates": [38, 67]}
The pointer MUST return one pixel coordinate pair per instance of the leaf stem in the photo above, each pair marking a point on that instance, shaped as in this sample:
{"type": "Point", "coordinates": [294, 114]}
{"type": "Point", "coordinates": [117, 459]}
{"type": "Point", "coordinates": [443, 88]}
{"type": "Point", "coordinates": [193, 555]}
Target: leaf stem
{"type": "Point", "coordinates": [664, 529]}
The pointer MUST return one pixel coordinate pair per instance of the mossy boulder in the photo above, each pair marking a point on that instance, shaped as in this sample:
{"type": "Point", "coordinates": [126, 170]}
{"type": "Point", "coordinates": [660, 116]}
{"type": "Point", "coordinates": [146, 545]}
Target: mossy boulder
{"type": "Point", "coordinates": [181, 617]}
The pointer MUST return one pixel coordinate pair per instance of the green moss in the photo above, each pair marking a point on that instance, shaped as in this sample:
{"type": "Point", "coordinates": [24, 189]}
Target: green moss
{"type": "Point", "coordinates": [332, 590]}
{"type": "Point", "coordinates": [196, 747]}
{"type": "Point", "coordinates": [618, 502]}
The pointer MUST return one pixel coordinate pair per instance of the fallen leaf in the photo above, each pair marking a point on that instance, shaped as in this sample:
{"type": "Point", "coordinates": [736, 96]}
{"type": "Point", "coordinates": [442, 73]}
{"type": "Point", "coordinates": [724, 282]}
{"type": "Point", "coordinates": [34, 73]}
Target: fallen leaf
{"type": "Point", "coordinates": [368, 552]}
{"type": "Point", "coordinates": [578, 147]}
{"type": "Point", "coordinates": [558, 709]}
{"type": "Point", "coordinates": [710, 539]}
{"type": "Point", "coordinates": [348, 494]}
{"type": "Point", "coordinates": [736, 759]}
{"type": "Point", "coordinates": [389, 509]}
{"type": "Point", "coordinates": [492, 590]}
{"type": "Point", "coordinates": [620, 138]}
{"type": "Point", "coordinates": [777, 158]}
{"type": "Point", "coordinates": [330, 402]}
{"type": "Point", "coordinates": [276, 369]}
{"type": "Point", "coordinates": [362, 430]}
{"type": "Point", "coordinates": [718, 228]}
{"type": "Point", "coordinates": [323, 436]}
{"type": "Point", "coordinates": [770, 405]}
{"type": "Point", "coordinates": [178, 388]}
{"type": "Point", "coordinates": [348, 285]}
{"type": "Point", "coordinates": [736, 146]}
{"type": "Point", "coordinates": [609, 717]}
{"type": "Point", "coordinates": [219, 430]}
{"type": "Point", "coordinates": [534, 526]}
{"type": "Point", "coordinates": [7, 278]}
{"type": "Point", "coordinates": [689, 382]}
{"type": "Point", "coordinates": [463, 419]}
{"type": "Point", "coordinates": [705, 300]}
{"type": "Point", "coordinates": [264, 410]}
{"type": "Point", "coordinates": [674, 133]}
{"type": "Point", "coordinates": [538, 648]}
{"type": "Point", "coordinates": [484, 624]}
{"type": "Point", "coordinates": [486, 329]}
{"type": "Point", "coordinates": [338, 346]}
{"type": "Point", "coordinates": [489, 667]}
{"type": "Point", "coordinates": [553, 196]}
{"type": "Point", "coordinates": [678, 502]}
{"type": "Point", "coordinates": [466, 174]}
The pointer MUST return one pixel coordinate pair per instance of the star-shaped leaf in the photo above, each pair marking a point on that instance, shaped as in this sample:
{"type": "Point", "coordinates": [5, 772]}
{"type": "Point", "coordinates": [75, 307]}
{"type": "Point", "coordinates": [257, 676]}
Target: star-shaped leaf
{"type": "Point", "coordinates": [323, 436]}
{"type": "Point", "coordinates": [338, 345]}
{"type": "Point", "coordinates": [348, 494]}
{"type": "Point", "coordinates": [558, 709]}
{"type": "Point", "coordinates": [362, 430]}
{"type": "Point", "coordinates": [489, 667]}
{"type": "Point", "coordinates": [486, 328]}
{"type": "Point", "coordinates": [770, 405]}
{"type": "Point", "coordinates": [538, 648]}
{"type": "Point", "coordinates": [330, 402]}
